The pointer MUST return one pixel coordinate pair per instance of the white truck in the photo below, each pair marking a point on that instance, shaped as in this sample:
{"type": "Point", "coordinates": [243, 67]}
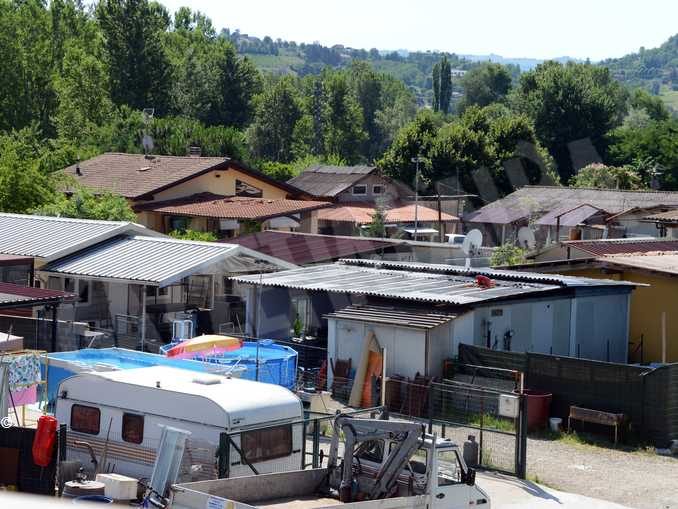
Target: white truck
{"type": "Point", "coordinates": [385, 465]}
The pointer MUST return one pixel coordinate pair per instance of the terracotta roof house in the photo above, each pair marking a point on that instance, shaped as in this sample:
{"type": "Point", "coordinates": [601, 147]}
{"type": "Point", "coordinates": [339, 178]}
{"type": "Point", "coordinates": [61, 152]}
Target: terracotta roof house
{"type": "Point", "coordinates": [583, 213]}
{"type": "Point", "coordinates": [357, 191]}
{"type": "Point", "coordinates": [169, 192]}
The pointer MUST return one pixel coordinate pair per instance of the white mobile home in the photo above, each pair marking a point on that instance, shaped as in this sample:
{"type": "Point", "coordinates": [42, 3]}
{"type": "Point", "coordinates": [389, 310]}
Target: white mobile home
{"type": "Point", "coordinates": [123, 411]}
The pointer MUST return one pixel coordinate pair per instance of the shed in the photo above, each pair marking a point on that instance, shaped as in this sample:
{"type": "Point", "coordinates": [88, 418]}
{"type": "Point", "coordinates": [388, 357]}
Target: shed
{"type": "Point", "coordinates": [415, 340]}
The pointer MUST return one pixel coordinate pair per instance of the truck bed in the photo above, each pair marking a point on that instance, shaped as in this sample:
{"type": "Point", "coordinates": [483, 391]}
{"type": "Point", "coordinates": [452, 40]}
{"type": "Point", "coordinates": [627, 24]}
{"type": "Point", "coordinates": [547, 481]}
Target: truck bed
{"type": "Point", "coordinates": [299, 489]}
{"type": "Point", "coordinates": [305, 502]}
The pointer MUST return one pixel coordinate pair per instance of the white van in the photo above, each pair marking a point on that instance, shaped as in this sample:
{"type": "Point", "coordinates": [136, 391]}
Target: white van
{"type": "Point", "coordinates": [122, 412]}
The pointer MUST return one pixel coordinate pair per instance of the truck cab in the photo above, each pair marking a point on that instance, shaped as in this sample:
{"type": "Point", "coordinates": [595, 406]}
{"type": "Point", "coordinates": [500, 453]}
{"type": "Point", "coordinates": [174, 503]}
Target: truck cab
{"type": "Point", "coordinates": [437, 468]}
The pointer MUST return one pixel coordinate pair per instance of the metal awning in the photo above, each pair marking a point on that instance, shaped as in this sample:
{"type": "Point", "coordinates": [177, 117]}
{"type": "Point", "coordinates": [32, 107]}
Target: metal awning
{"type": "Point", "coordinates": [159, 261]}
{"type": "Point", "coordinates": [399, 317]}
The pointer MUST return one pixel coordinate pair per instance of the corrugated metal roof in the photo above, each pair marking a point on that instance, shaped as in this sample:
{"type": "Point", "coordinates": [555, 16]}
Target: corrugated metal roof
{"type": "Point", "coordinates": [51, 237]}
{"type": "Point", "coordinates": [304, 248]}
{"type": "Point", "coordinates": [623, 246]}
{"type": "Point", "coordinates": [412, 318]}
{"type": "Point", "coordinates": [666, 263]}
{"type": "Point", "coordinates": [11, 294]}
{"type": "Point", "coordinates": [395, 283]}
{"type": "Point", "coordinates": [153, 260]}
{"type": "Point", "coordinates": [541, 199]}
{"type": "Point", "coordinates": [565, 216]}
{"type": "Point", "coordinates": [497, 274]}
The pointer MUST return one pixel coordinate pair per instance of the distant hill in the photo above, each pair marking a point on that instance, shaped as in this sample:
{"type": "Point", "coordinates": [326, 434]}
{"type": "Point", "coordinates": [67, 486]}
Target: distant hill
{"type": "Point", "coordinates": [655, 69]}
{"type": "Point", "coordinates": [525, 64]}
{"type": "Point", "coordinates": [288, 57]}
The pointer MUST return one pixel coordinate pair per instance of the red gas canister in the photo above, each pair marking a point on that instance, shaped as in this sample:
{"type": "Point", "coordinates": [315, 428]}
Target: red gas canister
{"type": "Point", "coordinates": [43, 443]}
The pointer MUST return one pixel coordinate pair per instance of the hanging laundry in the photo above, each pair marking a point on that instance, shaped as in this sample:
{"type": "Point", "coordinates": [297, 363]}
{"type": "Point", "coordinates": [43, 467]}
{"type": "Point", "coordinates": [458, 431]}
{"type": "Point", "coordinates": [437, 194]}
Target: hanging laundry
{"type": "Point", "coordinates": [24, 369]}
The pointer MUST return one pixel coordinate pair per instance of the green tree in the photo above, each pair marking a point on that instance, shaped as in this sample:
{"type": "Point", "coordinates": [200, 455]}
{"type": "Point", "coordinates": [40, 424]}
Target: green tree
{"type": "Point", "coordinates": [26, 66]}
{"type": "Point", "coordinates": [83, 94]}
{"type": "Point", "coordinates": [607, 177]}
{"type": "Point", "coordinates": [367, 88]}
{"type": "Point", "coordinates": [486, 84]}
{"type": "Point", "coordinates": [442, 85]}
{"type": "Point", "coordinates": [507, 254]}
{"type": "Point", "coordinates": [343, 131]}
{"type": "Point", "coordinates": [22, 185]}
{"type": "Point", "coordinates": [84, 204]}
{"type": "Point", "coordinates": [653, 106]}
{"type": "Point", "coordinates": [656, 143]}
{"type": "Point", "coordinates": [278, 110]}
{"type": "Point", "coordinates": [139, 69]}
{"type": "Point", "coordinates": [193, 235]}
{"type": "Point", "coordinates": [377, 228]}
{"type": "Point", "coordinates": [568, 103]}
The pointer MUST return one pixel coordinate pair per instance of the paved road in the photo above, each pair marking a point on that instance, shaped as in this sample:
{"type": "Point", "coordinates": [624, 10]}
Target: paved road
{"type": "Point", "coordinates": [511, 493]}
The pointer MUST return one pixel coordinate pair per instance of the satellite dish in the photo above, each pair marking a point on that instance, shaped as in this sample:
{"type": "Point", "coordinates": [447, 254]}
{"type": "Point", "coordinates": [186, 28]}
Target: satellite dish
{"type": "Point", "coordinates": [526, 238]}
{"type": "Point", "coordinates": [147, 142]}
{"type": "Point", "coordinates": [472, 242]}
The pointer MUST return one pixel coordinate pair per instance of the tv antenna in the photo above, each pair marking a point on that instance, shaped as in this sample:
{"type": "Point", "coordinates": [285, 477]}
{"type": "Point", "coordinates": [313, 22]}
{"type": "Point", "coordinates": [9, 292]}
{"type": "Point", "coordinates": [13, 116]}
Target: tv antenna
{"type": "Point", "coordinates": [471, 245]}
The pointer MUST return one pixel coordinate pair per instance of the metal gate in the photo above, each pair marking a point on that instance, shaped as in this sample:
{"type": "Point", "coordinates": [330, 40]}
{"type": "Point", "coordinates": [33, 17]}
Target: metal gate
{"type": "Point", "coordinates": [486, 404]}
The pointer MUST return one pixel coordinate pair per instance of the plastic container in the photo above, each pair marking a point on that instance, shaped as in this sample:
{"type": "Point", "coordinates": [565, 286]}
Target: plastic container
{"type": "Point", "coordinates": [555, 423]}
{"type": "Point", "coordinates": [538, 406]}
{"type": "Point", "coordinates": [119, 487]}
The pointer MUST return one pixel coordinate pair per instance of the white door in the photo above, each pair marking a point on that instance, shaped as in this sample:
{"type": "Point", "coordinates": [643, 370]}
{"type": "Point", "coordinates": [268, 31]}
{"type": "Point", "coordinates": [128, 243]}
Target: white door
{"type": "Point", "coordinates": [449, 490]}
{"type": "Point", "coordinates": [542, 328]}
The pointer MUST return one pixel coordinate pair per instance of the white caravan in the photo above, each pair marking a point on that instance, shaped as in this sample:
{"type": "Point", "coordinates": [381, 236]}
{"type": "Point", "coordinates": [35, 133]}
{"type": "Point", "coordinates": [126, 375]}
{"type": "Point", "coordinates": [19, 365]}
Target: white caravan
{"type": "Point", "coordinates": [120, 414]}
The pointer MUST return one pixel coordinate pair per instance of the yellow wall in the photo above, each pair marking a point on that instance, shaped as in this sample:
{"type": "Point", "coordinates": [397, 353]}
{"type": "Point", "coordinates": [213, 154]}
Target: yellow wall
{"type": "Point", "coordinates": [647, 305]}
{"type": "Point", "coordinates": [218, 182]}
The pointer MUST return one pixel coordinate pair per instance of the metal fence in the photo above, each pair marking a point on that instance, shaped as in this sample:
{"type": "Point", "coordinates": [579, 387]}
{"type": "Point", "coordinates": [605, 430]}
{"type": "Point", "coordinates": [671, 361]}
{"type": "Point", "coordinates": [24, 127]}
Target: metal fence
{"type": "Point", "coordinates": [647, 396]}
{"type": "Point", "coordinates": [457, 409]}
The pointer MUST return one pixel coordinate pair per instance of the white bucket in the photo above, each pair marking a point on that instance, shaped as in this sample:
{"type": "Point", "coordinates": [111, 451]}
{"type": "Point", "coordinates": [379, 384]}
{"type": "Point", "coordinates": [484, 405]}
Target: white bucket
{"type": "Point", "coordinates": [555, 423]}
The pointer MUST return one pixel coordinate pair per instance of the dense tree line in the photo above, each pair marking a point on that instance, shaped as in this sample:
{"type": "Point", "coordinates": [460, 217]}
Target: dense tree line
{"type": "Point", "coordinates": [75, 81]}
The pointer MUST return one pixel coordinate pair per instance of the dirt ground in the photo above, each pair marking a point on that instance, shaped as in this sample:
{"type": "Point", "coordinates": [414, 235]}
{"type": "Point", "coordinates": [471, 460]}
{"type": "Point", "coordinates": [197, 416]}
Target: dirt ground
{"type": "Point", "coordinates": [638, 479]}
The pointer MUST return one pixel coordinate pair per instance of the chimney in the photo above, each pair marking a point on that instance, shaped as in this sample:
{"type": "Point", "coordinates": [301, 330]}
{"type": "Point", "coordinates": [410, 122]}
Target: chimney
{"type": "Point", "coordinates": [78, 171]}
{"type": "Point", "coordinates": [194, 151]}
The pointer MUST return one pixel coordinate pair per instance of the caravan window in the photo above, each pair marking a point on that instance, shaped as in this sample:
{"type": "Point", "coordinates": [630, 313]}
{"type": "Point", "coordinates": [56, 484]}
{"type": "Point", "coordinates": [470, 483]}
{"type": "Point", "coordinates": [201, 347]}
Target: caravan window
{"type": "Point", "coordinates": [85, 419]}
{"type": "Point", "coordinates": [267, 444]}
{"type": "Point", "coordinates": [133, 428]}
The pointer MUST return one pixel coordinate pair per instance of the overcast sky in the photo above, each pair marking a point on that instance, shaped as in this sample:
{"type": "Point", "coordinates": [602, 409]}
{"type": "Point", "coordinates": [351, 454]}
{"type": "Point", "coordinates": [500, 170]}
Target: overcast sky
{"type": "Point", "coordinates": [512, 28]}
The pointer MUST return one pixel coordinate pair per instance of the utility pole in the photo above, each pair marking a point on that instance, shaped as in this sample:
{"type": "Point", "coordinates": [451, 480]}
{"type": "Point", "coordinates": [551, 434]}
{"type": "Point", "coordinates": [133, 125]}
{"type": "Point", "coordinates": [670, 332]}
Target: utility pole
{"type": "Point", "coordinates": [416, 160]}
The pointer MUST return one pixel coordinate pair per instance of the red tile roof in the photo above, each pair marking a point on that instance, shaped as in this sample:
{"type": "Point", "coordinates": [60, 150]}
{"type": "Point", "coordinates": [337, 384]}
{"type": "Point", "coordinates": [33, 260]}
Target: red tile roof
{"type": "Point", "coordinates": [12, 295]}
{"type": "Point", "coordinates": [623, 246]}
{"type": "Point", "coordinates": [231, 207]}
{"type": "Point", "coordinates": [135, 175]}
{"type": "Point", "coordinates": [304, 248]}
{"type": "Point", "coordinates": [359, 213]}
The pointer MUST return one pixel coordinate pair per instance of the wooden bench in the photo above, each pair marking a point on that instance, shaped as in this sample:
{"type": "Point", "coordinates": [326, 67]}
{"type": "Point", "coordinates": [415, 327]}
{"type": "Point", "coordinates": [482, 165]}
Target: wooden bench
{"type": "Point", "coordinates": [596, 417]}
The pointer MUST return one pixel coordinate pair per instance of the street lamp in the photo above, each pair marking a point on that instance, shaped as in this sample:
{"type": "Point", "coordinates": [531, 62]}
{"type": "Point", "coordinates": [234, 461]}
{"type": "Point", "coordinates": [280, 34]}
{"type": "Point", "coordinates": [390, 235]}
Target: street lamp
{"type": "Point", "coordinates": [416, 160]}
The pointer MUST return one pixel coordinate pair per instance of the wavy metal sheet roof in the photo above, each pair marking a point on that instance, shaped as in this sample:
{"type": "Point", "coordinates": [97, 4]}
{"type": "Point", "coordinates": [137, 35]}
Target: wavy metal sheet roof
{"type": "Point", "coordinates": [51, 237]}
{"type": "Point", "coordinates": [153, 260]}
{"type": "Point", "coordinates": [496, 274]}
{"type": "Point", "coordinates": [623, 246]}
{"type": "Point", "coordinates": [411, 318]}
{"type": "Point", "coordinates": [395, 283]}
